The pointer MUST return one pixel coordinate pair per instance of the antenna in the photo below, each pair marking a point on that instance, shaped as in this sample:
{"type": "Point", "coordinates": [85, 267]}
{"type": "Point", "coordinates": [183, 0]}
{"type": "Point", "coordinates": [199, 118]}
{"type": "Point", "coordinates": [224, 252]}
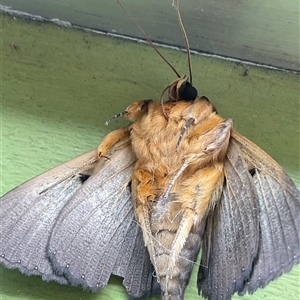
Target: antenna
{"type": "Point", "coordinates": [176, 5]}
{"type": "Point", "coordinates": [148, 39]}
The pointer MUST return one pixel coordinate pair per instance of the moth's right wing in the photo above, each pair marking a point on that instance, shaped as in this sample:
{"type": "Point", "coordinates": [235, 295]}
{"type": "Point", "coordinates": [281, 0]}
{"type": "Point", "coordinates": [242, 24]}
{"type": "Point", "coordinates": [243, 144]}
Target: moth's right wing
{"type": "Point", "coordinates": [28, 212]}
{"type": "Point", "coordinates": [75, 224]}
{"type": "Point", "coordinates": [96, 233]}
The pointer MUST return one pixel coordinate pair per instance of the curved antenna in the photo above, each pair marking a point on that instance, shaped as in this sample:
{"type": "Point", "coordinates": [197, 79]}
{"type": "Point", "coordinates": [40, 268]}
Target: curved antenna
{"type": "Point", "coordinates": [148, 39]}
{"type": "Point", "coordinates": [176, 5]}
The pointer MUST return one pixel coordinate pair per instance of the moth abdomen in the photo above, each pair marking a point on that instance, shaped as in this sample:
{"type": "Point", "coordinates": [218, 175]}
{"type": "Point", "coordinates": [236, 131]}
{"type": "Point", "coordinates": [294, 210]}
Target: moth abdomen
{"type": "Point", "coordinates": [173, 262]}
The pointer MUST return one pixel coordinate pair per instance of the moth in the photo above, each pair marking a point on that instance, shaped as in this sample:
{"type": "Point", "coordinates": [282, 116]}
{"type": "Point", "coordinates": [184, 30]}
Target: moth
{"type": "Point", "coordinates": [177, 179]}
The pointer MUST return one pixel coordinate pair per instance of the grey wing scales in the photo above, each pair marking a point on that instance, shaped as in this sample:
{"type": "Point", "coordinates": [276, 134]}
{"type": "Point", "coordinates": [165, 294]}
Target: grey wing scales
{"type": "Point", "coordinates": [75, 224]}
{"type": "Point", "coordinates": [278, 200]}
{"type": "Point", "coordinates": [28, 213]}
{"type": "Point", "coordinates": [230, 239]}
{"type": "Point", "coordinates": [96, 233]}
{"type": "Point", "coordinates": [232, 234]}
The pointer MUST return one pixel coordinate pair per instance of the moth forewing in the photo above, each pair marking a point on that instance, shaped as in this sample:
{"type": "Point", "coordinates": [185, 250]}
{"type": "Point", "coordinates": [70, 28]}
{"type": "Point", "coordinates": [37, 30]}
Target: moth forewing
{"type": "Point", "coordinates": [29, 211]}
{"type": "Point", "coordinates": [56, 225]}
{"type": "Point", "coordinates": [231, 235]}
{"type": "Point", "coordinates": [252, 236]}
{"type": "Point", "coordinates": [102, 230]}
{"type": "Point", "coordinates": [278, 201]}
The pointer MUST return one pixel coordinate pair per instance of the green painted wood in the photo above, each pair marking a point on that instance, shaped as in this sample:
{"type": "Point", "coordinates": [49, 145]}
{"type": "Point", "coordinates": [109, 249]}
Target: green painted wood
{"type": "Point", "coordinates": [265, 32]}
{"type": "Point", "coordinates": [59, 86]}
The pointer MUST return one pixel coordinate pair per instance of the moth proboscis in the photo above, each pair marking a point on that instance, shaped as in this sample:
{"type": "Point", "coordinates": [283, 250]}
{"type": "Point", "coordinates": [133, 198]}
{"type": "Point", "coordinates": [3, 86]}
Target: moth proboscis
{"type": "Point", "coordinates": [177, 179]}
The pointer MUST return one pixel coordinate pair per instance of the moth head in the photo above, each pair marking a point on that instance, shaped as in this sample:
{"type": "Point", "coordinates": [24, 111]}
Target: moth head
{"type": "Point", "coordinates": [179, 90]}
{"type": "Point", "coordinates": [182, 89]}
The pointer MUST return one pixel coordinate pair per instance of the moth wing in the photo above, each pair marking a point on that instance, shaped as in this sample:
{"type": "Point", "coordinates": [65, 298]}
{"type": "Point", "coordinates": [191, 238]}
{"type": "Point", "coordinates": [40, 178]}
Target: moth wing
{"type": "Point", "coordinates": [279, 216]}
{"type": "Point", "coordinates": [252, 236]}
{"type": "Point", "coordinates": [230, 239]}
{"type": "Point", "coordinates": [96, 233]}
{"type": "Point", "coordinates": [28, 212]}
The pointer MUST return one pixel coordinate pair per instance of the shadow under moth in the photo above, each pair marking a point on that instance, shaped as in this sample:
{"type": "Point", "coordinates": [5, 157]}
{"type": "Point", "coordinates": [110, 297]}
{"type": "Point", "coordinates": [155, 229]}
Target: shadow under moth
{"type": "Point", "coordinates": [177, 179]}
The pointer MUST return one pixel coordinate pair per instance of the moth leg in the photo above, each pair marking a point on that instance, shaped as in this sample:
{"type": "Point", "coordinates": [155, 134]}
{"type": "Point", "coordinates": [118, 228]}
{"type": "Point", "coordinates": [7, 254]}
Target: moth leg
{"type": "Point", "coordinates": [143, 216]}
{"type": "Point", "coordinates": [143, 186]}
{"type": "Point", "coordinates": [183, 130]}
{"type": "Point", "coordinates": [111, 139]}
{"type": "Point", "coordinates": [172, 182]}
{"type": "Point", "coordinates": [199, 111]}
{"type": "Point", "coordinates": [145, 193]}
{"type": "Point", "coordinates": [182, 234]}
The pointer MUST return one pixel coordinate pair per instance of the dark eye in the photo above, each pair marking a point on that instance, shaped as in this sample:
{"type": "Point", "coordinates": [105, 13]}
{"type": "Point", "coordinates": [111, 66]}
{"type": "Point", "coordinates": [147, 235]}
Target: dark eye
{"type": "Point", "coordinates": [187, 91]}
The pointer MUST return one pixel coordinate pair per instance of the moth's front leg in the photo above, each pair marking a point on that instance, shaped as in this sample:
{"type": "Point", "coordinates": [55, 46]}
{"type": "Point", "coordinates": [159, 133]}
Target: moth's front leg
{"type": "Point", "coordinates": [194, 114]}
{"type": "Point", "coordinates": [198, 111]}
{"type": "Point", "coordinates": [111, 139]}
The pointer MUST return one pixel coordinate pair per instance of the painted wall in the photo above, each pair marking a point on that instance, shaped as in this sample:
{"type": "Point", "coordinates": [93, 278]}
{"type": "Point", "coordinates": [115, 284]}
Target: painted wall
{"type": "Point", "coordinates": [261, 31]}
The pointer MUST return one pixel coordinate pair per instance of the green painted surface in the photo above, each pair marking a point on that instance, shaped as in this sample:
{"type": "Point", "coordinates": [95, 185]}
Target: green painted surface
{"type": "Point", "coordinates": [265, 32]}
{"type": "Point", "coordinates": [59, 86]}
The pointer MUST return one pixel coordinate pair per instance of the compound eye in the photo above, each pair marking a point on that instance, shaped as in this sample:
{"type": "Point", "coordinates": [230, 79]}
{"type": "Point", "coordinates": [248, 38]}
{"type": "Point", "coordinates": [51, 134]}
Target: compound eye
{"type": "Point", "coordinates": [187, 92]}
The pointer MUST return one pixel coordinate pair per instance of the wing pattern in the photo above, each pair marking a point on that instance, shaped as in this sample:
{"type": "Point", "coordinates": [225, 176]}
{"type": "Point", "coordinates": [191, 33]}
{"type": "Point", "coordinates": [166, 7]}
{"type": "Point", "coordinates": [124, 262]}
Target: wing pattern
{"type": "Point", "coordinates": [252, 235]}
{"type": "Point", "coordinates": [28, 213]}
{"type": "Point", "coordinates": [75, 224]}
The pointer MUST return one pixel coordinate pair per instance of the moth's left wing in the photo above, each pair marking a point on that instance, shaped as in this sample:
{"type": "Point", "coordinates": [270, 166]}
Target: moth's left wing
{"type": "Point", "coordinates": [253, 234]}
{"type": "Point", "coordinates": [230, 240]}
{"type": "Point", "coordinates": [279, 216]}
